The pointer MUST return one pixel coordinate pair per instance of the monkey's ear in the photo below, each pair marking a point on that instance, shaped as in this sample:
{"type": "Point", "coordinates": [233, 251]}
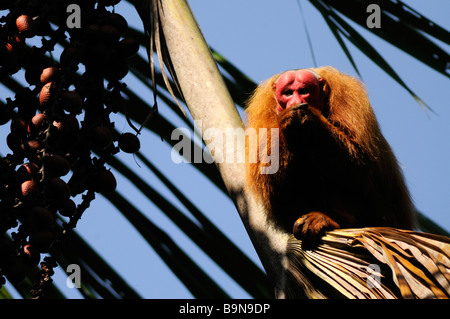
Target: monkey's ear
{"type": "Point", "coordinates": [321, 83]}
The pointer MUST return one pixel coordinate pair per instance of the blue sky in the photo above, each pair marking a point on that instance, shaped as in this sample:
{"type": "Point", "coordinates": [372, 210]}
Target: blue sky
{"type": "Point", "coordinates": [262, 39]}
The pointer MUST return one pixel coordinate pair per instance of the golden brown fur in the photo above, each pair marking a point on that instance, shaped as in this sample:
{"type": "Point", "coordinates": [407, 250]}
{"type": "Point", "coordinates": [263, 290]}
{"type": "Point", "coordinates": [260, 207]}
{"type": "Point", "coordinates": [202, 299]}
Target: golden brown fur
{"type": "Point", "coordinates": [336, 161]}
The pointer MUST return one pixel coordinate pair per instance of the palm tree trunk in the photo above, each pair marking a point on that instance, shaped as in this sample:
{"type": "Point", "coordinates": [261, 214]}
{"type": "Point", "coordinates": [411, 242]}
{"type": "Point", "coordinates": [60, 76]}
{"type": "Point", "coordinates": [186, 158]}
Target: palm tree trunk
{"type": "Point", "coordinates": [213, 111]}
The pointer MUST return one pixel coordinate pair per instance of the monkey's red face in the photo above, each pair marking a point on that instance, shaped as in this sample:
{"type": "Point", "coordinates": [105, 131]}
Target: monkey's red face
{"type": "Point", "coordinates": [296, 87]}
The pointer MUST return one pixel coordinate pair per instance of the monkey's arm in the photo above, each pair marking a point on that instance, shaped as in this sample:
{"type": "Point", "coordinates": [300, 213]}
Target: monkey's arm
{"type": "Point", "coordinates": [311, 225]}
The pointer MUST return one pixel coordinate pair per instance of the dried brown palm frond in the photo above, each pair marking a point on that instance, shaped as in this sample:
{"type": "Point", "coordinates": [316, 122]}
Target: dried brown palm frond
{"type": "Point", "coordinates": [370, 263]}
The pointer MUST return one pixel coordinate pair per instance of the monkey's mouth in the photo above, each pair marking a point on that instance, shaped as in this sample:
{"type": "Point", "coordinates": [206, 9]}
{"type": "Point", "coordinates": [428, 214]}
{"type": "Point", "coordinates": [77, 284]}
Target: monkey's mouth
{"type": "Point", "coordinates": [302, 110]}
{"type": "Point", "coordinates": [301, 106]}
{"type": "Point", "coordinates": [300, 115]}
{"type": "Point", "coordinates": [296, 115]}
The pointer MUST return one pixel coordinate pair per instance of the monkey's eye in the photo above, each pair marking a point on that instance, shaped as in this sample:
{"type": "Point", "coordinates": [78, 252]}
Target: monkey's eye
{"type": "Point", "coordinates": [288, 92]}
{"type": "Point", "coordinates": [303, 91]}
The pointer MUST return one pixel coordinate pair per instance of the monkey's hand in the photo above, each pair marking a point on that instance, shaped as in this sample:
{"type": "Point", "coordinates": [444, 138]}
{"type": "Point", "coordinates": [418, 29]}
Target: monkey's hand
{"type": "Point", "coordinates": [311, 227]}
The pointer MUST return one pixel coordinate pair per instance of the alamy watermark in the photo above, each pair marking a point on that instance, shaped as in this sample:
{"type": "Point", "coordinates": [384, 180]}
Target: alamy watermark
{"type": "Point", "coordinates": [74, 276]}
{"type": "Point", "coordinates": [228, 146]}
{"type": "Point", "coordinates": [374, 275]}
{"type": "Point", "coordinates": [374, 18]}
{"type": "Point", "coordinates": [373, 280]}
{"type": "Point", "coordinates": [73, 20]}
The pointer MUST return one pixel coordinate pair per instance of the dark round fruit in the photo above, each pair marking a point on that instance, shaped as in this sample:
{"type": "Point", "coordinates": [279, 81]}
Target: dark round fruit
{"type": "Point", "coordinates": [129, 143]}
{"type": "Point", "coordinates": [109, 34]}
{"type": "Point", "coordinates": [72, 102]}
{"type": "Point", "coordinates": [44, 95]}
{"type": "Point", "coordinates": [97, 55]}
{"type": "Point", "coordinates": [24, 25]}
{"type": "Point", "coordinates": [116, 20]}
{"type": "Point", "coordinates": [104, 182]}
{"type": "Point", "coordinates": [69, 56]}
{"type": "Point", "coordinates": [56, 166]}
{"type": "Point", "coordinates": [127, 47]}
{"type": "Point", "coordinates": [38, 123]}
{"type": "Point", "coordinates": [5, 115]}
{"type": "Point", "coordinates": [13, 141]}
{"type": "Point", "coordinates": [31, 145]}
{"type": "Point", "coordinates": [27, 172]}
{"type": "Point", "coordinates": [19, 127]}
{"type": "Point", "coordinates": [118, 68]}
{"type": "Point", "coordinates": [93, 31]}
{"type": "Point", "coordinates": [49, 74]}
{"type": "Point", "coordinates": [100, 137]}
{"type": "Point", "coordinates": [15, 50]}
{"type": "Point", "coordinates": [66, 207]}
{"type": "Point", "coordinates": [30, 255]}
{"type": "Point", "coordinates": [56, 188]}
{"type": "Point", "coordinates": [32, 75]}
{"type": "Point", "coordinates": [29, 189]}
{"type": "Point", "coordinates": [42, 240]}
{"type": "Point", "coordinates": [41, 218]}
{"type": "Point", "coordinates": [68, 126]}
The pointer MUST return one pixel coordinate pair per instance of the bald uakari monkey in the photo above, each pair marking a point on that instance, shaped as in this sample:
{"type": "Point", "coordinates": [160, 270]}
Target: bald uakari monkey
{"type": "Point", "coordinates": [336, 170]}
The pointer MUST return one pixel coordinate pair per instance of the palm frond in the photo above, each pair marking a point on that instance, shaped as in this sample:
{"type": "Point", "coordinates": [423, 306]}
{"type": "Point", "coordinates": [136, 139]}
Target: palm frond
{"type": "Point", "coordinates": [207, 237]}
{"type": "Point", "coordinates": [403, 27]}
{"type": "Point", "coordinates": [190, 273]}
{"type": "Point", "coordinates": [339, 26]}
{"type": "Point", "coordinates": [150, 12]}
{"type": "Point", "coordinates": [99, 278]}
{"type": "Point", "coordinates": [371, 263]}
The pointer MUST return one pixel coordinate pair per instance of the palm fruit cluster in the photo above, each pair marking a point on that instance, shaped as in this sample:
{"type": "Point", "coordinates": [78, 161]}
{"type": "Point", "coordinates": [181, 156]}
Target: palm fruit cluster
{"type": "Point", "coordinates": [60, 134]}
